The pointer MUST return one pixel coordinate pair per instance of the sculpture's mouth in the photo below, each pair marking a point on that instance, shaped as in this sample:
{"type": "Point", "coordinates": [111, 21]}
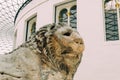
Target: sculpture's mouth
{"type": "Point", "coordinates": [67, 50]}
{"type": "Point", "coordinates": [70, 53]}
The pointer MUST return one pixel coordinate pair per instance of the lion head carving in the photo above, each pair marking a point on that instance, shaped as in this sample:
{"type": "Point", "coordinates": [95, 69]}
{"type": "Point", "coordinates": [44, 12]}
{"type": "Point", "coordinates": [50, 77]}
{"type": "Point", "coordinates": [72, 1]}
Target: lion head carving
{"type": "Point", "coordinates": [52, 53]}
{"type": "Point", "coordinates": [60, 47]}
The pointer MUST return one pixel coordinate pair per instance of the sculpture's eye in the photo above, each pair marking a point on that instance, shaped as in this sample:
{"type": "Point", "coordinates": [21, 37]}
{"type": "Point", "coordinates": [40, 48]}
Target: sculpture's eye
{"type": "Point", "coordinates": [67, 34]}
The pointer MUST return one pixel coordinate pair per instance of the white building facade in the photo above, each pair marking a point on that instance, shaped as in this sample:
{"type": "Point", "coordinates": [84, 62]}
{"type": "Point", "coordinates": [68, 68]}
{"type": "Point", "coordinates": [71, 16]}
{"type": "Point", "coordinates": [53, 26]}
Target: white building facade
{"type": "Point", "coordinates": [97, 23]}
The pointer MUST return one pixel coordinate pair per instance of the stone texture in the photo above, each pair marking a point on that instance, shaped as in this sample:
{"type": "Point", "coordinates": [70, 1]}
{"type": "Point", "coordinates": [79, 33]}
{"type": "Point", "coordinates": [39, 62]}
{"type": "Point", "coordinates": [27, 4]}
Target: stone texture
{"type": "Point", "coordinates": [52, 53]}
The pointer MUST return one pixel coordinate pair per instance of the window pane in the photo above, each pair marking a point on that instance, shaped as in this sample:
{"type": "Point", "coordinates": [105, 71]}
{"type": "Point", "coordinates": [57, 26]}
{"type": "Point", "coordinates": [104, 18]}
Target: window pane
{"type": "Point", "coordinates": [73, 17]}
{"type": "Point", "coordinates": [111, 23]}
{"type": "Point", "coordinates": [33, 29]}
{"type": "Point", "coordinates": [63, 17]}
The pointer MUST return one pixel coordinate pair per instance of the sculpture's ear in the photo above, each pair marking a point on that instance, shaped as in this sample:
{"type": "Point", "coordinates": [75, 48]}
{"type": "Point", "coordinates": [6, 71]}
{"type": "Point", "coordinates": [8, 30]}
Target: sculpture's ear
{"type": "Point", "coordinates": [52, 26]}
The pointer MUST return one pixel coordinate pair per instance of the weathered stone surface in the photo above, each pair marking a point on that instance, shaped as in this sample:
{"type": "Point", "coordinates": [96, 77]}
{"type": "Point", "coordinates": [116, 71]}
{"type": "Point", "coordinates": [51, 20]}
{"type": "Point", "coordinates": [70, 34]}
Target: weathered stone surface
{"type": "Point", "coordinates": [53, 53]}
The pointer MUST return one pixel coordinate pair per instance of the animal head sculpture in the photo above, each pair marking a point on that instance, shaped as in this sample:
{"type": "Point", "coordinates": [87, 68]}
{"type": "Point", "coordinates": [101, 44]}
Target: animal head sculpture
{"type": "Point", "coordinates": [52, 53]}
{"type": "Point", "coordinates": [60, 48]}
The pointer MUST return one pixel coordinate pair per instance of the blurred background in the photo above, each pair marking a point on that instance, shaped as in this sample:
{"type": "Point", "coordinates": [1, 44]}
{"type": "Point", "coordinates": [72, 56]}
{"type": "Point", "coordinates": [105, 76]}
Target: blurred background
{"type": "Point", "coordinates": [8, 10]}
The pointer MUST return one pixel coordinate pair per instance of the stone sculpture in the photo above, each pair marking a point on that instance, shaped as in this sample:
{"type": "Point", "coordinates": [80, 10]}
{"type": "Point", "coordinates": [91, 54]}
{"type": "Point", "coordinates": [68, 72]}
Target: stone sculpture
{"type": "Point", "coordinates": [52, 53]}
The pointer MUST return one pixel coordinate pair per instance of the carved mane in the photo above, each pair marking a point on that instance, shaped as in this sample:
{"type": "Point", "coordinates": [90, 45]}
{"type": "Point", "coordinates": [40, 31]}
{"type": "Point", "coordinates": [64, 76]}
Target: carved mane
{"type": "Point", "coordinates": [57, 49]}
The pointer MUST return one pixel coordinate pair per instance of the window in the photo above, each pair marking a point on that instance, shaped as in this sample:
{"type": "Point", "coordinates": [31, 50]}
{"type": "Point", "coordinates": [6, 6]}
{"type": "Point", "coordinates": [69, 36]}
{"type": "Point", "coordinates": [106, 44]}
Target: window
{"type": "Point", "coordinates": [111, 11]}
{"type": "Point", "coordinates": [67, 13]}
{"type": "Point", "coordinates": [31, 27]}
{"type": "Point", "coordinates": [63, 17]}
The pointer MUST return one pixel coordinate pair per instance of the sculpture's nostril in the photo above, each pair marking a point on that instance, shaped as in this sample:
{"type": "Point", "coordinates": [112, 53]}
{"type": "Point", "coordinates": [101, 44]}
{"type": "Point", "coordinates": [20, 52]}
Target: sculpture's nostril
{"type": "Point", "coordinates": [78, 41]}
